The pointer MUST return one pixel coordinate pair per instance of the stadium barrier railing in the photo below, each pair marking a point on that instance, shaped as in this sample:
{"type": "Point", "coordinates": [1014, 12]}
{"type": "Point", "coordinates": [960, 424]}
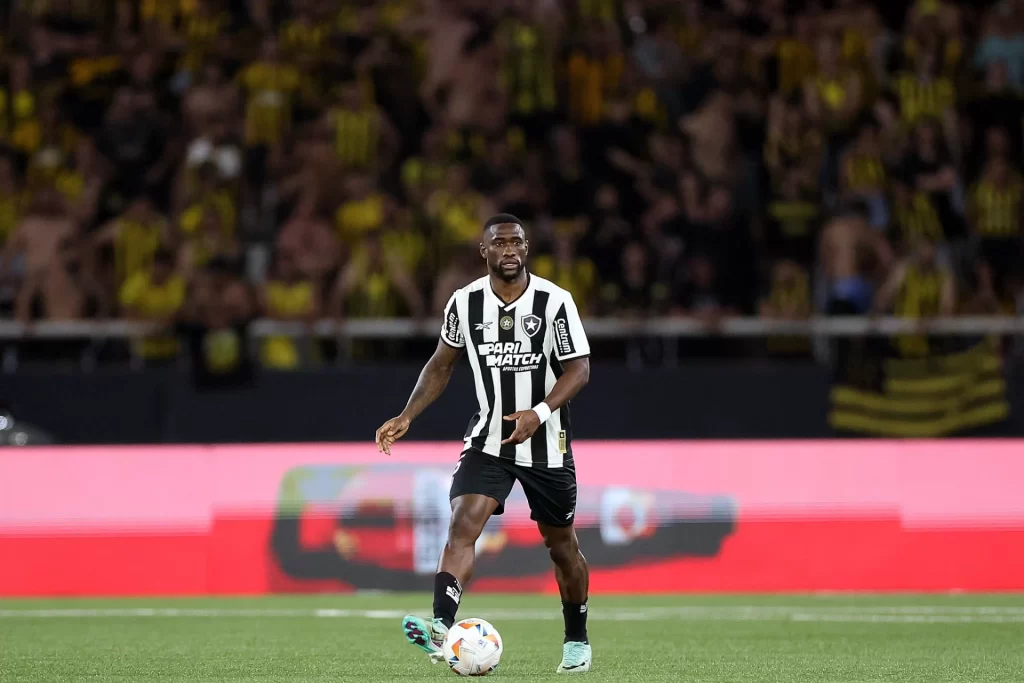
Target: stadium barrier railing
{"type": "Point", "coordinates": [669, 329]}
{"type": "Point", "coordinates": [613, 328]}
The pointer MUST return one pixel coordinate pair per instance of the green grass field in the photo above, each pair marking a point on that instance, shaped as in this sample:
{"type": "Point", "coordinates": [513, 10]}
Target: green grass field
{"type": "Point", "coordinates": [321, 639]}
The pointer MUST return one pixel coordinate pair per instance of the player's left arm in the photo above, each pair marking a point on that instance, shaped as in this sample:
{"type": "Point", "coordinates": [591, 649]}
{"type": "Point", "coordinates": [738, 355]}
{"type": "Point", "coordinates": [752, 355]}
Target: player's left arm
{"type": "Point", "coordinates": [572, 350]}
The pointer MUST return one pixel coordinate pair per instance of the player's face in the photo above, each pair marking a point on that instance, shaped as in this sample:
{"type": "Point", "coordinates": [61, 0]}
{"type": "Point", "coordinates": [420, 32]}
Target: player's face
{"type": "Point", "coordinates": [505, 248]}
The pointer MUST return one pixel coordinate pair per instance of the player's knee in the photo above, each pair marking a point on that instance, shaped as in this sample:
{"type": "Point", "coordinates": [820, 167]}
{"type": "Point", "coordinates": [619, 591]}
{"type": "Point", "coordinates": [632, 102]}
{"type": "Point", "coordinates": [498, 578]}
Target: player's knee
{"type": "Point", "coordinates": [463, 530]}
{"type": "Point", "coordinates": [563, 549]}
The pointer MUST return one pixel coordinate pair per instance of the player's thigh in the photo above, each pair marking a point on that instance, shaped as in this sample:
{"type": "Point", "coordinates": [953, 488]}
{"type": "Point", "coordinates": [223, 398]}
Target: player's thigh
{"type": "Point", "coordinates": [480, 485]}
{"type": "Point", "coordinates": [551, 493]}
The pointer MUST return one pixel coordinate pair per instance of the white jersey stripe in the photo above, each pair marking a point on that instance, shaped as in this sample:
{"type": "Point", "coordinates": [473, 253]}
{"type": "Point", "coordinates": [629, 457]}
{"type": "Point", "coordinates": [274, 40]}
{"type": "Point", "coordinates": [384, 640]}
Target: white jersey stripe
{"type": "Point", "coordinates": [524, 380]}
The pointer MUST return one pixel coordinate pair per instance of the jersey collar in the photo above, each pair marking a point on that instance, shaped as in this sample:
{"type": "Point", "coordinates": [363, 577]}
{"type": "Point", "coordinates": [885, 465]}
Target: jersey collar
{"type": "Point", "coordinates": [511, 304]}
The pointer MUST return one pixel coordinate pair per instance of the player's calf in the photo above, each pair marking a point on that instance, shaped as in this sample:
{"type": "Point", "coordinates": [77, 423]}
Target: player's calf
{"type": "Point", "coordinates": [573, 585]}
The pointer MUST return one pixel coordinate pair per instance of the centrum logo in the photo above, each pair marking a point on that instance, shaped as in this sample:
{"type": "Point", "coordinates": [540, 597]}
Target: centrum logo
{"type": "Point", "coordinates": [562, 333]}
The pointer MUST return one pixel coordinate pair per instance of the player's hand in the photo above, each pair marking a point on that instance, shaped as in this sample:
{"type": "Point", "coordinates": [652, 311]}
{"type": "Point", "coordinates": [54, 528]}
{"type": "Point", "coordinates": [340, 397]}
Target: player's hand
{"type": "Point", "coordinates": [526, 421]}
{"type": "Point", "coordinates": [390, 432]}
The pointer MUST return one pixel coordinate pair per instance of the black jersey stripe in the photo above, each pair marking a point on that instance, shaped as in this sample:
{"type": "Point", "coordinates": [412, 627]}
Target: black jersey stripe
{"type": "Point", "coordinates": [563, 412]}
{"type": "Point", "coordinates": [473, 422]}
{"type": "Point", "coordinates": [475, 309]}
{"type": "Point", "coordinates": [507, 380]}
{"type": "Point", "coordinates": [539, 441]}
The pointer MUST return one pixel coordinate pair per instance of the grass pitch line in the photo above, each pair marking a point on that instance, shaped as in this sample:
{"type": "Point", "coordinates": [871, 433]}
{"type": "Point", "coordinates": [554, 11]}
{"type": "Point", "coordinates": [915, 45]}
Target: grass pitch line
{"type": "Point", "coordinates": [834, 614]}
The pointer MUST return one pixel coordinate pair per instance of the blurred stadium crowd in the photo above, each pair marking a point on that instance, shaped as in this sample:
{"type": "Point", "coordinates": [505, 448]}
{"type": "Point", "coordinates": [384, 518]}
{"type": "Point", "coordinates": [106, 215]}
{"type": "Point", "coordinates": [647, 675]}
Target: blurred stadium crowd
{"type": "Point", "coordinates": [219, 160]}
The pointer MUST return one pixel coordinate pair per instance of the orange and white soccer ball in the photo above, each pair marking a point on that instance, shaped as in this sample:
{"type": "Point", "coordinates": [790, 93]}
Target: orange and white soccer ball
{"type": "Point", "coordinates": [472, 647]}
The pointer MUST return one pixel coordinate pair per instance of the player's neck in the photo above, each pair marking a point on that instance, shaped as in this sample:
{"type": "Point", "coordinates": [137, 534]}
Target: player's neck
{"type": "Point", "coordinates": [510, 291]}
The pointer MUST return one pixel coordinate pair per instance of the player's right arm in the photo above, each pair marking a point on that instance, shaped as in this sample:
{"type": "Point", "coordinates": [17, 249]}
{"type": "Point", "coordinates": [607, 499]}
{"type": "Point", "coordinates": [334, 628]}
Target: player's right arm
{"type": "Point", "coordinates": [432, 380]}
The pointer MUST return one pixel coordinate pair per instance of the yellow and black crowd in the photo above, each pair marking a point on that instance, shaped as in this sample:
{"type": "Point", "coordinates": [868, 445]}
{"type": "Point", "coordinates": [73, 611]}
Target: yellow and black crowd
{"type": "Point", "coordinates": [218, 161]}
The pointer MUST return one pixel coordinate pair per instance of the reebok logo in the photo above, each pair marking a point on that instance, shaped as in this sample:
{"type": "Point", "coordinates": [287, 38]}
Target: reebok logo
{"type": "Point", "coordinates": [454, 593]}
{"type": "Point", "coordinates": [583, 609]}
{"type": "Point", "coordinates": [571, 513]}
{"type": "Point", "coordinates": [482, 326]}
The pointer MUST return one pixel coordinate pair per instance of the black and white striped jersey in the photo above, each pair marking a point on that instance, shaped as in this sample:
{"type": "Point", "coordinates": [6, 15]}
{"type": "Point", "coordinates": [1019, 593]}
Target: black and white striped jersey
{"type": "Point", "coordinates": [516, 351]}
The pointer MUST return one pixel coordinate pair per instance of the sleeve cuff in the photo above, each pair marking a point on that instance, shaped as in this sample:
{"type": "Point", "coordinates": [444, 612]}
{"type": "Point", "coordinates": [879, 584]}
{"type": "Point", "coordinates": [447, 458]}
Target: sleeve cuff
{"type": "Point", "coordinates": [448, 343]}
{"type": "Point", "coordinates": [574, 356]}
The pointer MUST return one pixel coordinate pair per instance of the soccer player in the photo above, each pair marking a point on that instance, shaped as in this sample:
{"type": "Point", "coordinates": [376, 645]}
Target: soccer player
{"type": "Point", "coordinates": [530, 356]}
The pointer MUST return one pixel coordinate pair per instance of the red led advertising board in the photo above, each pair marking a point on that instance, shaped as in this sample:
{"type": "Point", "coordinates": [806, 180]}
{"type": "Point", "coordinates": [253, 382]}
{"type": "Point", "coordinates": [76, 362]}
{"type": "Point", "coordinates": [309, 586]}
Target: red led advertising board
{"type": "Point", "coordinates": [653, 516]}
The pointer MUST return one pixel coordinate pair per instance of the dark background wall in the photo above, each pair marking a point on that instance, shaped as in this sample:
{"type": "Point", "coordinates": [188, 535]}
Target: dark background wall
{"type": "Point", "coordinates": [708, 401]}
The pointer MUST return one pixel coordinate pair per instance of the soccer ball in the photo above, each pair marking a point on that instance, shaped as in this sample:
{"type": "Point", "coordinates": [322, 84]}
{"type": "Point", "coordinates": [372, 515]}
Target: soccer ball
{"type": "Point", "coordinates": [472, 648]}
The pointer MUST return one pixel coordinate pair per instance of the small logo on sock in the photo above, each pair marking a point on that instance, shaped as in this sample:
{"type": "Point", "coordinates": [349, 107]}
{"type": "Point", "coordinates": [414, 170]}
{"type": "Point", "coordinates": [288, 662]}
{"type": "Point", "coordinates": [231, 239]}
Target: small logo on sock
{"type": "Point", "coordinates": [583, 609]}
{"type": "Point", "coordinates": [454, 593]}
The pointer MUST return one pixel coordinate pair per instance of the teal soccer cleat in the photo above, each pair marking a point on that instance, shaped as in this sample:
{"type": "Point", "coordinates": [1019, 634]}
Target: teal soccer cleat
{"type": "Point", "coordinates": [575, 658]}
{"type": "Point", "coordinates": [426, 635]}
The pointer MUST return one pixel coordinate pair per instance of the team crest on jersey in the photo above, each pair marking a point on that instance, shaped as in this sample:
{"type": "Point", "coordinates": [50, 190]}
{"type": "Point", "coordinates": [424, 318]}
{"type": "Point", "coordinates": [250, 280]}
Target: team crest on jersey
{"type": "Point", "coordinates": [506, 323]}
{"type": "Point", "coordinates": [531, 324]}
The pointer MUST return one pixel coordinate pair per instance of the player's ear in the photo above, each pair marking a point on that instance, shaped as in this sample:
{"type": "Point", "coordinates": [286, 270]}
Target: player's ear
{"type": "Point", "coordinates": [483, 251]}
{"type": "Point", "coordinates": [526, 247]}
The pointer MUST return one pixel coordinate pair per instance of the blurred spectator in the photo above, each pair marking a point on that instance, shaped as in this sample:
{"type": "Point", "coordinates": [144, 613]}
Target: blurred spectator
{"type": "Point", "coordinates": [569, 270]}
{"type": "Point", "coordinates": [635, 292]}
{"type": "Point", "coordinates": [862, 173]}
{"type": "Point", "coordinates": [403, 238]}
{"type": "Point", "coordinates": [570, 185]}
{"type": "Point", "coordinates": [308, 236]}
{"type": "Point", "coordinates": [924, 93]}
{"type": "Point", "coordinates": [457, 210]}
{"type": "Point", "coordinates": [851, 256]}
{"type": "Point", "coordinates": [998, 106]}
{"type": "Point", "coordinates": [995, 209]}
{"type": "Point", "coordinates": [287, 295]}
{"type": "Point", "coordinates": [208, 194]}
{"type": "Point", "coordinates": [1002, 41]}
{"type": "Point", "coordinates": [213, 158]}
{"type": "Point", "coordinates": [210, 101]}
{"type": "Point", "coordinates": [700, 294]}
{"type": "Point", "coordinates": [155, 294]}
{"type": "Point", "coordinates": [918, 287]}
{"type": "Point", "coordinates": [793, 220]}
{"type": "Point", "coordinates": [983, 297]}
{"type": "Point", "coordinates": [11, 200]}
{"type": "Point", "coordinates": [129, 242]}
{"type": "Point", "coordinates": [272, 88]}
{"type": "Point", "coordinates": [214, 324]}
{"type": "Point", "coordinates": [425, 172]}
{"type": "Point", "coordinates": [40, 234]}
{"type": "Point", "coordinates": [63, 289]}
{"type": "Point", "coordinates": [205, 241]}
{"type": "Point", "coordinates": [364, 137]}
{"type": "Point", "coordinates": [464, 266]}
{"type": "Point", "coordinates": [931, 178]}
{"type": "Point", "coordinates": [787, 297]}
{"type": "Point", "coordinates": [363, 212]}
{"type": "Point", "coordinates": [377, 283]}
{"type": "Point", "coordinates": [132, 141]}
{"type": "Point", "coordinates": [833, 96]}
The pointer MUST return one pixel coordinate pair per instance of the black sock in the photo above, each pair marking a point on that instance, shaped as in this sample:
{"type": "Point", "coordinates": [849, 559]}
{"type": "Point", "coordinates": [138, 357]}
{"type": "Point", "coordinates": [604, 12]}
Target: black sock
{"type": "Point", "coordinates": [447, 593]}
{"type": "Point", "coordinates": [575, 615]}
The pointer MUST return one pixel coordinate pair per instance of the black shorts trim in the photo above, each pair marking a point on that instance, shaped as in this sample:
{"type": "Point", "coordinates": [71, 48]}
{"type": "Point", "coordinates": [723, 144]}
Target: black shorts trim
{"type": "Point", "coordinates": [550, 491]}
